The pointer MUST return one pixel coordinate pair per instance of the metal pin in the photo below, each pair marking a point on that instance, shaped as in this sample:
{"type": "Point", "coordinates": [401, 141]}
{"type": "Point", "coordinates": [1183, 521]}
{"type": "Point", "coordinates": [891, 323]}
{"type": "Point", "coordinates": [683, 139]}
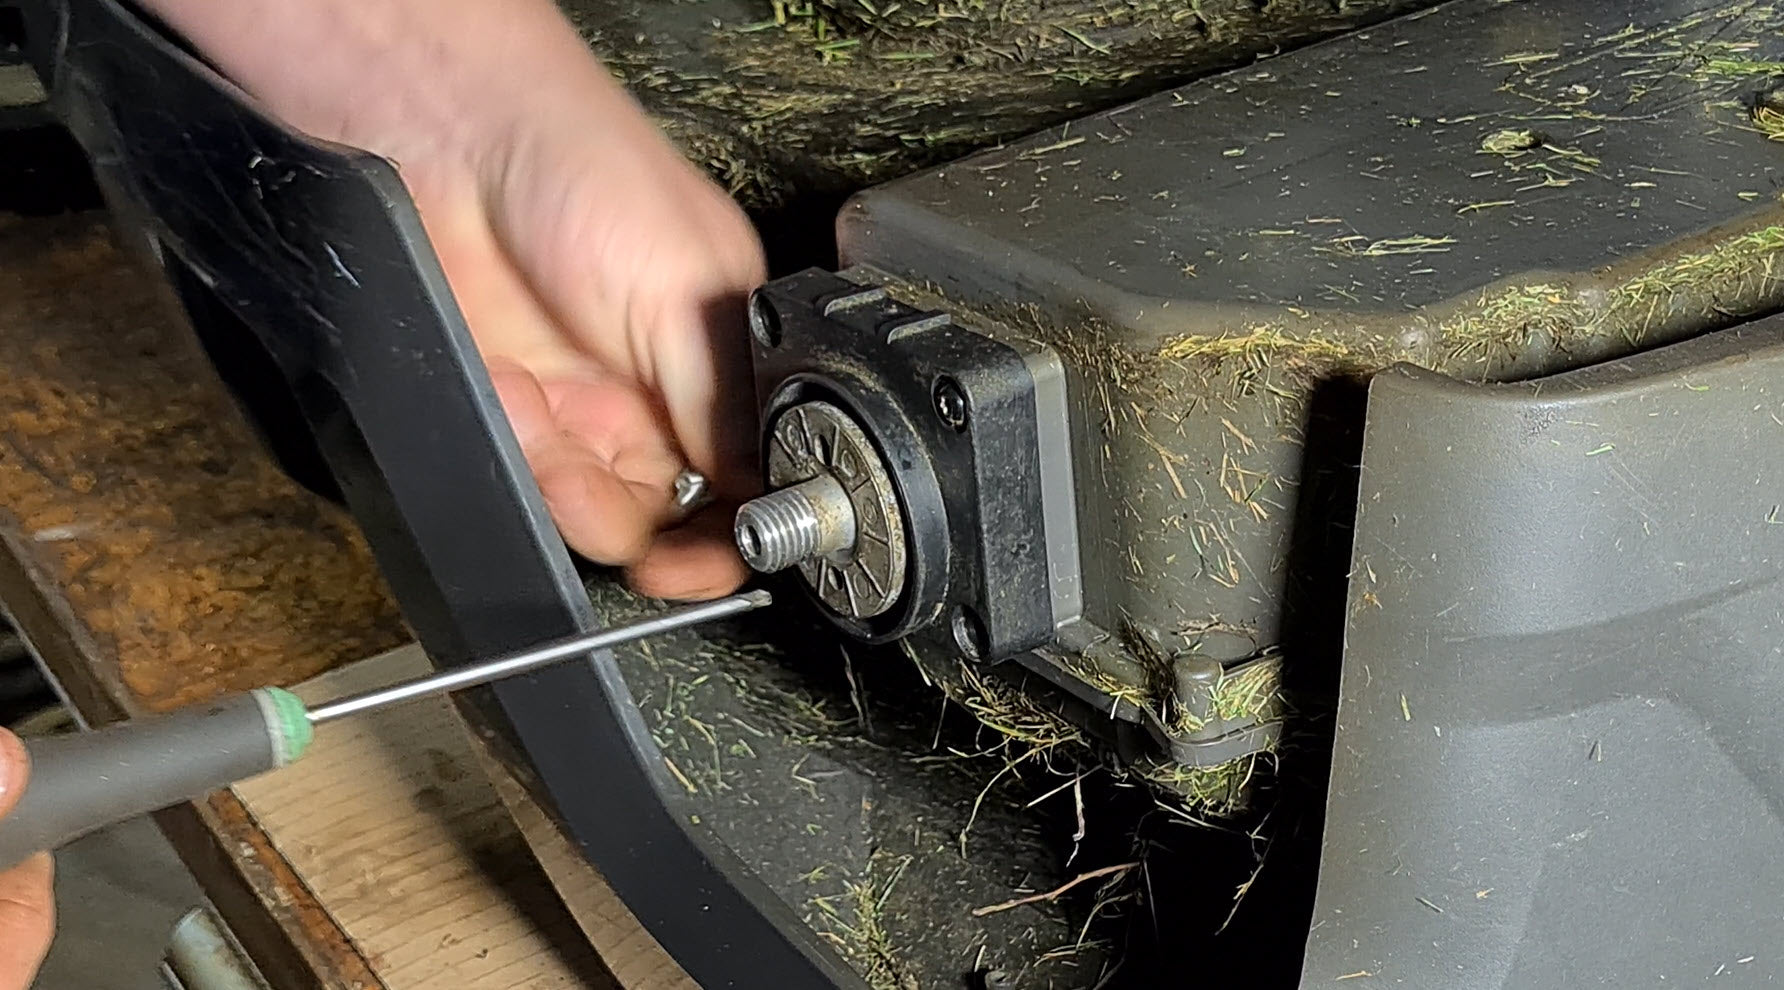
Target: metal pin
{"type": "Point", "coordinates": [532, 659]}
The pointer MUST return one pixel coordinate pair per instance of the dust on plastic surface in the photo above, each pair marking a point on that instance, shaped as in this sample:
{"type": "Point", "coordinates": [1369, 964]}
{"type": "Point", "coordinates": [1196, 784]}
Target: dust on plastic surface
{"type": "Point", "coordinates": [780, 99]}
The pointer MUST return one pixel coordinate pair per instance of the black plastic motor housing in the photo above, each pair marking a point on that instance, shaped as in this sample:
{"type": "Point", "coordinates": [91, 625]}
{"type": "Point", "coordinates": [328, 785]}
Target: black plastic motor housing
{"type": "Point", "coordinates": [958, 419]}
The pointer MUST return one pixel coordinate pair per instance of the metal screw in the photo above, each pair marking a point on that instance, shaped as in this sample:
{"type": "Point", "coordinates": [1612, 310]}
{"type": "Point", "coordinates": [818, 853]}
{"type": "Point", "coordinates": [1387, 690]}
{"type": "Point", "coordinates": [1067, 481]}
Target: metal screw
{"type": "Point", "coordinates": [692, 492]}
{"type": "Point", "coordinates": [796, 524]}
{"type": "Point", "coordinates": [950, 404]}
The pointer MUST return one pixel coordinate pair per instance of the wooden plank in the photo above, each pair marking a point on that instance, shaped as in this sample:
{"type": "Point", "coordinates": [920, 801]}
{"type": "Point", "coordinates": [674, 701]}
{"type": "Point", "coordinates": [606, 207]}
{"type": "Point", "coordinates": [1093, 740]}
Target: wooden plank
{"type": "Point", "coordinates": [636, 960]}
{"type": "Point", "coordinates": [287, 930]}
{"type": "Point", "coordinates": [392, 825]}
{"type": "Point", "coordinates": [293, 942]}
{"type": "Point", "coordinates": [154, 555]}
{"type": "Point", "coordinates": [141, 500]}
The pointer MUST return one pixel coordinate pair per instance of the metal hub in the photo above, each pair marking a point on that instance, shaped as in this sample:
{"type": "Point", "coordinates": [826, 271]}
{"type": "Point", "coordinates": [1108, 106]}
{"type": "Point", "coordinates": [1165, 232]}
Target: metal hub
{"type": "Point", "coordinates": [832, 511]}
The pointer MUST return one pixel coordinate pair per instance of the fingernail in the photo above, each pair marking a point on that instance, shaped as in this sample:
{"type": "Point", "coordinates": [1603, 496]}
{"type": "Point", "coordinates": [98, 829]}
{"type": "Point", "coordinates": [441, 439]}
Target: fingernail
{"type": "Point", "coordinates": [12, 763]}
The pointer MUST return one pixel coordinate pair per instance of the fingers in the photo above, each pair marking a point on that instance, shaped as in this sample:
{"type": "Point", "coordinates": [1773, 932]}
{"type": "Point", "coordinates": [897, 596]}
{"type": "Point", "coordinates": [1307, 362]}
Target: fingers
{"type": "Point", "coordinates": [614, 330]}
{"type": "Point", "coordinates": [701, 347]}
{"type": "Point", "coordinates": [598, 452]}
{"type": "Point", "coordinates": [602, 508]}
{"type": "Point", "coordinates": [650, 283]}
{"type": "Point", "coordinates": [27, 907]}
{"type": "Point", "coordinates": [596, 447]}
{"type": "Point", "coordinates": [504, 316]}
{"type": "Point", "coordinates": [695, 561]}
{"type": "Point", "coordinates": [709, 391]}
{"type": "Point", "coordinates": [27, 920]}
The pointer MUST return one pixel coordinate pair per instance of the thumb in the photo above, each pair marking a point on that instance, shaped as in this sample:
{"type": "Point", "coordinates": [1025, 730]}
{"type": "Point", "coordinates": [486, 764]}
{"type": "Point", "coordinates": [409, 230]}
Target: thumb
{"type": "Point", "coordinates": [27, 908]}
{"type": "Point", "coordinates": [27, 920]}
{"type": "Point", "coordinates": [15, 766]}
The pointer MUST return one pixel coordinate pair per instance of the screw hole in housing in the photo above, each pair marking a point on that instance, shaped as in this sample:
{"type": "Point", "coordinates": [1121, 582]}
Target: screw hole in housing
{"type": "Point", "coordinates": [765, 323]}
{"type": "Point", "coordinates": [969, 633]}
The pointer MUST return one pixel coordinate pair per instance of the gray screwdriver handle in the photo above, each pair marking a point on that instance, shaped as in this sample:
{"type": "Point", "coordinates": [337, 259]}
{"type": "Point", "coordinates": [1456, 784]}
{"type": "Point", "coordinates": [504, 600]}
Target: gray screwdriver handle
{"type": "Point", "coordinates": [85, 781]}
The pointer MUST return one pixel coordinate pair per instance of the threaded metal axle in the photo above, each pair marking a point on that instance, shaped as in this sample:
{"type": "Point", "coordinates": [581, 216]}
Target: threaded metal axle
{"type": "Point", "coordinates": [833, 513]}
{"type": "Point", "coordinates": [796, 524]}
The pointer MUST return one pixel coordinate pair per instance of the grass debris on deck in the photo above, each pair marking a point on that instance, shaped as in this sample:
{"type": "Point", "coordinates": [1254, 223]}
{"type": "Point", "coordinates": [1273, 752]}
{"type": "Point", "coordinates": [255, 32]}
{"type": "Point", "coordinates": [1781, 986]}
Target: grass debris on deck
{"type": "Point", "coordinates": [780, 99]}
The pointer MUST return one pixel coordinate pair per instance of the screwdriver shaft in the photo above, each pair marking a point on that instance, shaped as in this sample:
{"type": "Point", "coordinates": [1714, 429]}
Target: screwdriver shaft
{"type": "Point", "coordinates": [524, 661]}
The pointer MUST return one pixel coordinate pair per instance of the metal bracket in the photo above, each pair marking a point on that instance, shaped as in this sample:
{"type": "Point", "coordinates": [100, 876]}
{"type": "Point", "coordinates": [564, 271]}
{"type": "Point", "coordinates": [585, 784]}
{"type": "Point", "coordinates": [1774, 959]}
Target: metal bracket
{"type": "Point", "coordinates": [202, 954]}
{"type": "Point", "coordinates": [1208, 738]}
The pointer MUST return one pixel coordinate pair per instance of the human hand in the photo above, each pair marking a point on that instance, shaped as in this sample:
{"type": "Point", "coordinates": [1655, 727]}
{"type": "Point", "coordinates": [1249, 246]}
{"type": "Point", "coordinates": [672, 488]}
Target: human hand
{"type": "Point", "coordinates": [603, 277]}
{"type": "Point", "coordinates": [27, 909]}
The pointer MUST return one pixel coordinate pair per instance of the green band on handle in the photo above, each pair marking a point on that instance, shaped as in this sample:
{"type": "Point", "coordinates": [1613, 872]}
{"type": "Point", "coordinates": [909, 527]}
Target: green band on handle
{"type": "Point", "coordinates": [288, 721]}
{"type": "Point", "coordinates": [87, 780]}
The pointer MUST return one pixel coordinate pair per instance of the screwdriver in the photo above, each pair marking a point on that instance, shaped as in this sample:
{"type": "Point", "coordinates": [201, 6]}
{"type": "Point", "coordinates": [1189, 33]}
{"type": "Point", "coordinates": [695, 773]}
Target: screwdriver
{"type": "Point", "coordinates": [85, 781]}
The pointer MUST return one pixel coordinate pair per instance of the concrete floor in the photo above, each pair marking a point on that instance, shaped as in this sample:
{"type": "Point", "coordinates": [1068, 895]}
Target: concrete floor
{"type": "Point", "coordinates": [119, 893]}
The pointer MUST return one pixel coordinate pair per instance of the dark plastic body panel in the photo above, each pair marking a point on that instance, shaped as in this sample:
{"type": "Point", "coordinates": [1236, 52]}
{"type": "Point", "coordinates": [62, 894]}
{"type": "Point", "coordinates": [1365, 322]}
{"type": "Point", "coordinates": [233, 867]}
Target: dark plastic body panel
{"type": "Point", "coordinates": [1559, 759]}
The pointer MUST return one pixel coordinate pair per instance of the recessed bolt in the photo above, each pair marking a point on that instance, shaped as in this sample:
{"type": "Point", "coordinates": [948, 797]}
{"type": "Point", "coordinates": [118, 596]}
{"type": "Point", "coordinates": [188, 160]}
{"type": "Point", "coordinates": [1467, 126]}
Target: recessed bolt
{"type": "Point", "coordinates": [969, 633]}
{"type": "Point", "coordinates": [950, 404]}
{"type": "Point", "coordinates": [765, 323]}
